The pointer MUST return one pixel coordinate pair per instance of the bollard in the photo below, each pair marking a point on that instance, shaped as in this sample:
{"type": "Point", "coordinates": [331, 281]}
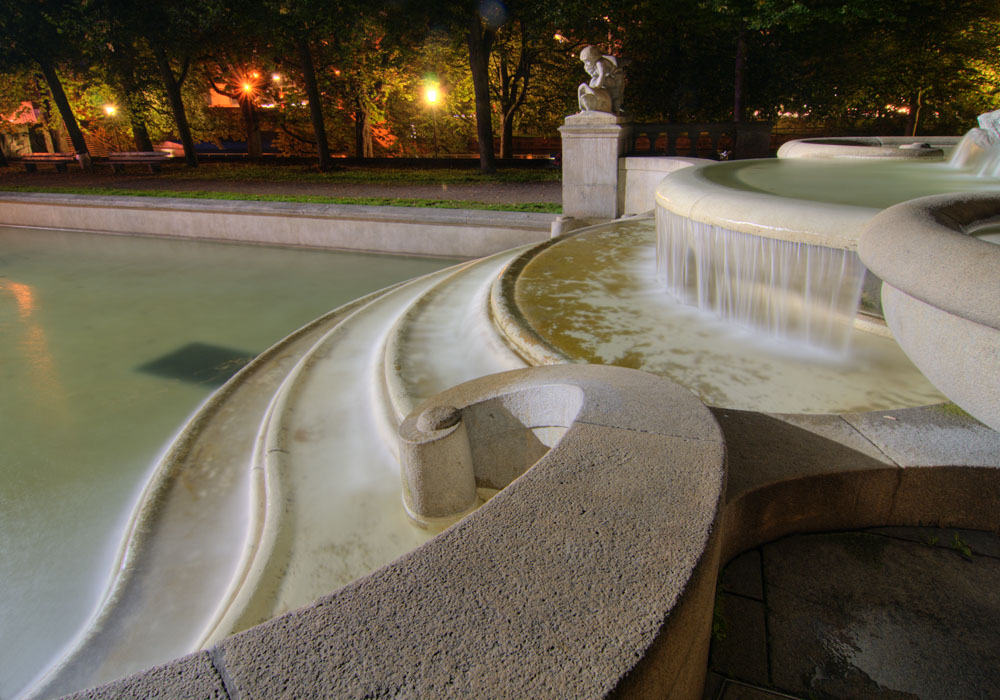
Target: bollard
{"type": "Point", "coordinates": [438, 477]}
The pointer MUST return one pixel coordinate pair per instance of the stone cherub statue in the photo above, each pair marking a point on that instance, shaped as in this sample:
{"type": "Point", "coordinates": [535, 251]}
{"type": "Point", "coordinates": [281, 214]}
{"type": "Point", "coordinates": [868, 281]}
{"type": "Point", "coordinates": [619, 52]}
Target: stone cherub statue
{"type": "Point", "coordinates": [607, 83]}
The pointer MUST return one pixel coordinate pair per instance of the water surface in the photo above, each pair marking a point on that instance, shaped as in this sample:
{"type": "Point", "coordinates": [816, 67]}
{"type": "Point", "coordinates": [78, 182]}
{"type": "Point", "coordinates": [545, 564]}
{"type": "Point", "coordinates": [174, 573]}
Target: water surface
{"type": "Point", "coordinates": [109, 343]}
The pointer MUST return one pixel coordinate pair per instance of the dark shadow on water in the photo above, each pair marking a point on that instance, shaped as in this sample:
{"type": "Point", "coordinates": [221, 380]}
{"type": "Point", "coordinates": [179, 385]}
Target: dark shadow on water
{"type": "Point", "coordinates": [199, 363]}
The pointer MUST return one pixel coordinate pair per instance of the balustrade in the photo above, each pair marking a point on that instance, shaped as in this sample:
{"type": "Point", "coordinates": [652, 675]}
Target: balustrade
{"type": "Point", "coordinates": [717, 141]}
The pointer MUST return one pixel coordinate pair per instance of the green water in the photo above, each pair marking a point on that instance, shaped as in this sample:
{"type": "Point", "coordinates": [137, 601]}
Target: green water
{"type": "Point", "coordinates": [867, 183]}
{"type": "Point", "coordinates": [107, 345]}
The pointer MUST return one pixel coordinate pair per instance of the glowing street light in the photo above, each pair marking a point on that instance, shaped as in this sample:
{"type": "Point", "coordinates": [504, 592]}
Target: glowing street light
{"type": "Point", "coordinates": [110, 110]}
{"type": "Point", "coordinates": [432, 95]}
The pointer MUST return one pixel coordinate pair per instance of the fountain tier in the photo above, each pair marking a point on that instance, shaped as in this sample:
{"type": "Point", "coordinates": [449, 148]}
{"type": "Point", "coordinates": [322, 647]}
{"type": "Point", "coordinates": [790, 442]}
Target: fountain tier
{"type": "Point", "coordinates": [593, 297]}
{"type": "Point", "coordinates": [736, 237]}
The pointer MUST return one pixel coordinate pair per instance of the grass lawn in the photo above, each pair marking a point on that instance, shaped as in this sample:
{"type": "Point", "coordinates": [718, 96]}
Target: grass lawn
{"type": "Point", "coordinates": [13, 180]}
{"type": "Point", "coordinates": [356, 175]}
{"type": "Point", "coordinates": [542, 207]}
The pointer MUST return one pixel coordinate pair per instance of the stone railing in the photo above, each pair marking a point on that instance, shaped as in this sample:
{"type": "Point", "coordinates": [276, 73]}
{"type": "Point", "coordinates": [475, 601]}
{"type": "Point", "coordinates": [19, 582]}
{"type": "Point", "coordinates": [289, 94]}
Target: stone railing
{"type": "Point", "coordinates": [735, 139]}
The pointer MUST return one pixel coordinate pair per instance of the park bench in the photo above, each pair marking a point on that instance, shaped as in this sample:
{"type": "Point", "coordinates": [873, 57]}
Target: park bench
{"type": "Point", "coordinates": [31, 161]}
{"type": "Point", "coordinates": [151, 159]}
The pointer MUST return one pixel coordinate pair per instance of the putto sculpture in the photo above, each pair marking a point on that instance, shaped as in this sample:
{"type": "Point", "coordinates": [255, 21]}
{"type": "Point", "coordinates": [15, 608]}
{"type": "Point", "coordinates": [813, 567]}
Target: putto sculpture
{"type": "Point", "coordinates": [607, 82]}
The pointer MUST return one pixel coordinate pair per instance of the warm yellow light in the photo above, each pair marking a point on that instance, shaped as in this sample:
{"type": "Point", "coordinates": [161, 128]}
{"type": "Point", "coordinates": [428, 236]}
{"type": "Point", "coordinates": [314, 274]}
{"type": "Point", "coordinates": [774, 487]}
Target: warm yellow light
{"type": "Point", "coordinates": [431, 95]}
{"type": "Point", "coordinates": [110, 110]}
{"type": "Point", "coordinates": [255, 75]}
{"type": "Point", "coordinates": [247, 87]}
{"type": "Point", "coordinates": [276, 77]}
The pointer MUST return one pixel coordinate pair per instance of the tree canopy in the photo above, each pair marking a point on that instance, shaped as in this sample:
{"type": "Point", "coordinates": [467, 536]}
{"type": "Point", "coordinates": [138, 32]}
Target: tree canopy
{"type": "Point", "coordinates": [353, 77]}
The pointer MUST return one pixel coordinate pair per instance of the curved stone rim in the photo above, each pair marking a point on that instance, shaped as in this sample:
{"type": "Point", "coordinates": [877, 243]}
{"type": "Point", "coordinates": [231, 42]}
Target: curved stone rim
{"type": "Point", "coordinates": [882, 147]}
{"type": "Point", "coordinates": [691, 193]}
{"type": "Point", "coordinates": [613, 532]}
{"type": "Point", "coordinates": [922, 248]}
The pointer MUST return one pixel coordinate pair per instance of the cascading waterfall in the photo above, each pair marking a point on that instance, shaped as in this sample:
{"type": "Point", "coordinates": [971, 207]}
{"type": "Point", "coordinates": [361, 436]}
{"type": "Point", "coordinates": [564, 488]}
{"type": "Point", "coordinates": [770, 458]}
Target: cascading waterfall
{"type": "Point", "coordinates": [792, 291]}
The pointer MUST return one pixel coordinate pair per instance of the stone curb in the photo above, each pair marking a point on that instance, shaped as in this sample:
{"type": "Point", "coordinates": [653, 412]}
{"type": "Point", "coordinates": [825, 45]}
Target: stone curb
{"type": "Point", "coordinates": [457, 233]}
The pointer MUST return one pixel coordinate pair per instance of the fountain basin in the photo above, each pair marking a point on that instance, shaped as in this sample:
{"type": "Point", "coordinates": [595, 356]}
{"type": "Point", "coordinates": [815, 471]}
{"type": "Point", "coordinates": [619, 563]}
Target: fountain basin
{"type": "Point", "coordinates": [940, 291]}
{"type": "Point", "coordinates": [820, 202]}
{"type": "Point", "coordinates": [593, 297]}
{"type": "Point", "coordinates": [926, 148]}
{"type": "Point", "coordinates": [476, 609]}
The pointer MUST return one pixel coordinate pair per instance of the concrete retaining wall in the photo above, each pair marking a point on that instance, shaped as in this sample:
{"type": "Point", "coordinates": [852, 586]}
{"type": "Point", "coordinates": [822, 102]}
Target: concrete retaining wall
{"type": "Point", "coordinates": [457, 233]}
{"type": "Point", "coordinates": [638, 178]}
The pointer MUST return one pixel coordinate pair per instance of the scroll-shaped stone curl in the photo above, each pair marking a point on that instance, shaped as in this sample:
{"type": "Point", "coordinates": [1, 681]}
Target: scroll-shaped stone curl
{"type": "Point", "coordinates": [989, 123]}
{"type": "Point", "coordinates": [606, 88]}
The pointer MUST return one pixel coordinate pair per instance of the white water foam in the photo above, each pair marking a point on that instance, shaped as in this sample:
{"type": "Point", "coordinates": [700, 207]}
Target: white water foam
{"type": "Point", "coordinates": [791, 291]}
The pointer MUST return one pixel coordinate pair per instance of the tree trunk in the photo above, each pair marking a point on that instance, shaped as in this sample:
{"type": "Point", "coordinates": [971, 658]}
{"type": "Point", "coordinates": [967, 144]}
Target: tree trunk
{"type": "Point", "coordinates": [739, 75]}
{"type": "Point", "coordinates": [913, 118]}
{"type": "Point", "coordinates": [480, 41]}
{"type": "Point", "coordinates": [3, 158]}
{"type": "Point", "coordinates": [59, 96]}
{"type": "Point", "coordinates": [176, 105]}
{"type": "Point", "coordinates": [363, 146]}
{"type": "Point", "coordinates": [251, 126]}
{"type": "Point", "coordinates": [507, 135]}
{"type": "Point", "coordinates": [141, 136]}
{"type": "Point", "coordinates": [315, 106]}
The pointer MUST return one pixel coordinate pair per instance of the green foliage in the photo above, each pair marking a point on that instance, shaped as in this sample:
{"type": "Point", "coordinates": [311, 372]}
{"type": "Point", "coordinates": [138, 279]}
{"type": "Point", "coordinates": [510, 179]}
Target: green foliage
{"type": "Point", "coordinates": [960, 546]}
{"type": "Point", "coordinates": [850, 65]}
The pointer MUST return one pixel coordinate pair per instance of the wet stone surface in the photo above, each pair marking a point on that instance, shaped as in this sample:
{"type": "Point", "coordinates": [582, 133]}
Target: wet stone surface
{"type": "Point", "coordinates": [898, 613]}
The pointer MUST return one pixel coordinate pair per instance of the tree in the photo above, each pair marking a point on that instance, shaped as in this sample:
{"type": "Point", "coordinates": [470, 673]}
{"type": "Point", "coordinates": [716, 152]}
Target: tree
{"type": "Point", "coordinates": [174, 31]}
{"type": "Point", "coordinates": [36, 32]}
{"type": "Point", "coordinates": [526, 52]}
{"type": "Point", "coordinates": [294, 26]}
{"type": "Point", "coordinates": [117, 53]}
{"type": "Point", "coordinates": [480, 34]}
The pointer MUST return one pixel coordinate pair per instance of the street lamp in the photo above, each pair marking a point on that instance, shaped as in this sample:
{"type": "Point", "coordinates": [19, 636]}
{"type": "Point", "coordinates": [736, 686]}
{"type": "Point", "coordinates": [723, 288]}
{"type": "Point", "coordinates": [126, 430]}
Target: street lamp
{"type": "Point", "coordinates": [432, 96]}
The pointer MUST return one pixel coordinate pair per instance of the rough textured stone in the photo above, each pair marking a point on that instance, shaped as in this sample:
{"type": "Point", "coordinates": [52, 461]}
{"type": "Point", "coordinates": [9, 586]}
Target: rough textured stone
{"type": "Point", "coordinates": [553, 614]}
{"type": "Point", "coordinates": [765, 449]}
{"type": "Point", "coordinates": [591, 145]}
{"type": "Point", "coordinates": [784, 478]}
{"type": "Point", "coordinates": [929, 436]}
{"type": "Point", "coordinates": [966, 372]}
{"type": "Point", "coordinates": [863, 616]}
{"type": "Point", "coordinates": [940, 292]}
{"type": "Point", "coordinates": [193, 677]}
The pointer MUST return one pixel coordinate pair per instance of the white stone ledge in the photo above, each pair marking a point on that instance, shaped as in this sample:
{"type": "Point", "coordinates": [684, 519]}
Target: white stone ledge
{"type": "Point", "coordinates": [457, 233]}
{"type": "Point", "coordinates": [639, 176]}
{"type": "Point", "coordinates": [691, 193]}
{"type": "Point", "coordinates": [883, 147]}
{"type": "Point", "coordinates": [921, 247]}
{"type": "Point", "coordinates": [940, 293]}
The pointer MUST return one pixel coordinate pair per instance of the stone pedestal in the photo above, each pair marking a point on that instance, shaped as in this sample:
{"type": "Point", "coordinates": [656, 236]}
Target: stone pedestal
{"type": "Point", "coordinates": [591, 145]}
